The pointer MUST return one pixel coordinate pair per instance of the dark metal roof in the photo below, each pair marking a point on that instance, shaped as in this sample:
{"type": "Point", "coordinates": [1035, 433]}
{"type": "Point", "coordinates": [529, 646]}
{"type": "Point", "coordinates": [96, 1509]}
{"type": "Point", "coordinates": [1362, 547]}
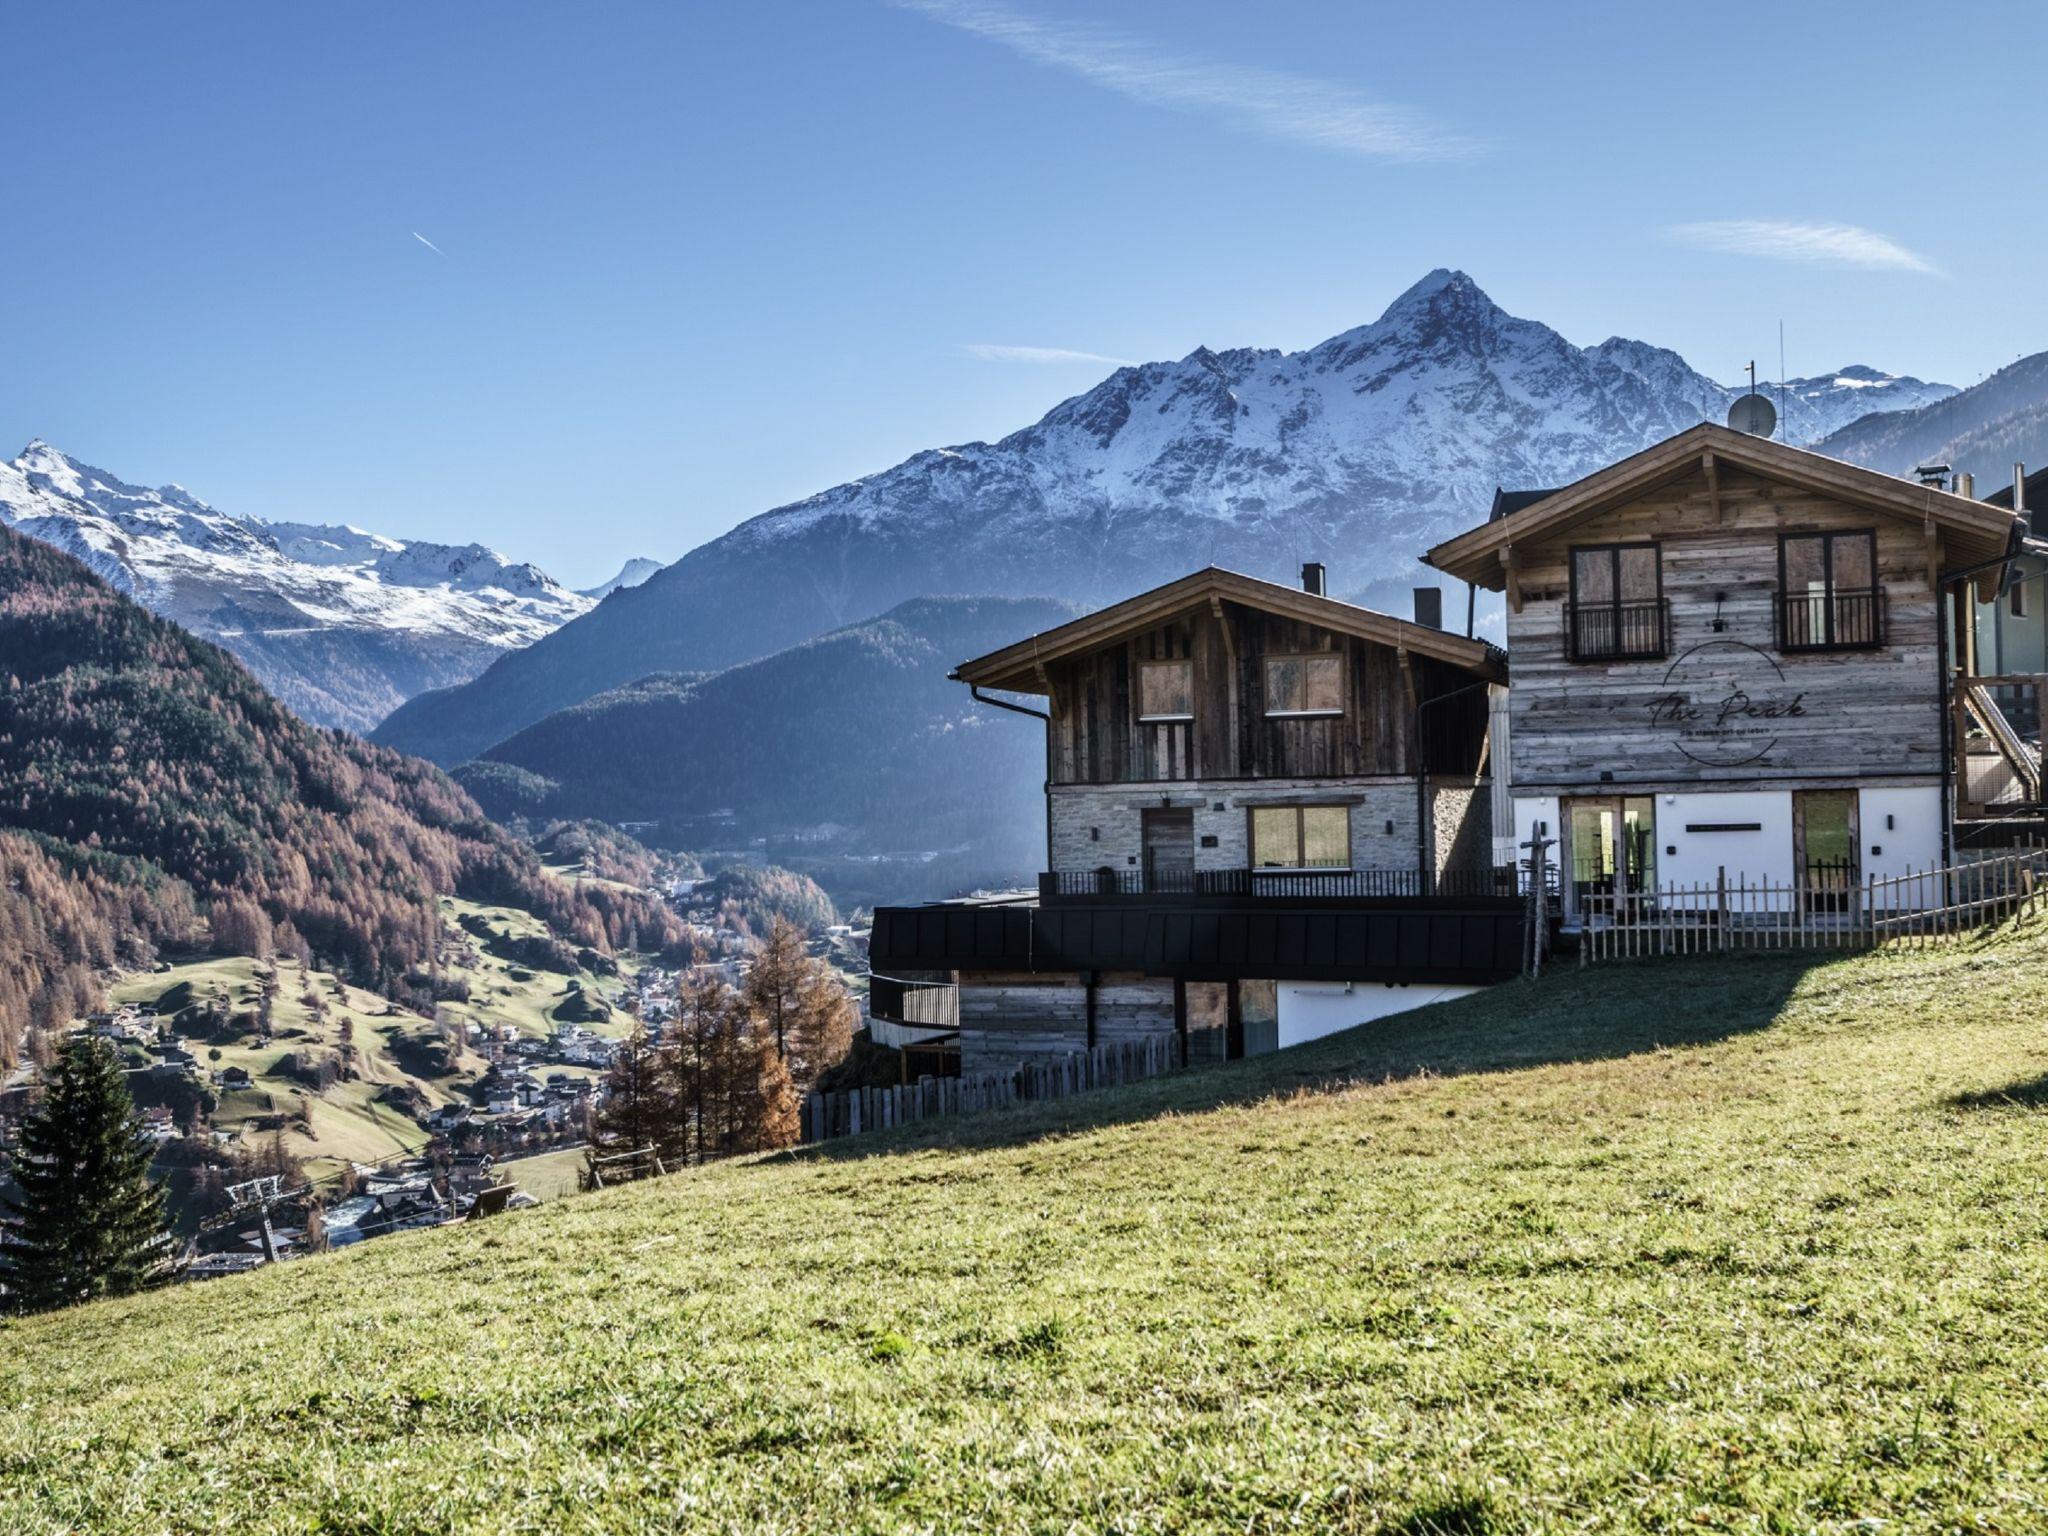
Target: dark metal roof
{"type": "Point", "coordinates": [2037, 502]}
{"type": "Point", "coordinates": [1474, 942]}
{"type": "Point", "coordinates": [1507, 503]}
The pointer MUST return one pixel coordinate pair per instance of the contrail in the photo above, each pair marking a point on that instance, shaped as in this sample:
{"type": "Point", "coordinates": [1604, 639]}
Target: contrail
{"type": "Point", "coordinates": [423, 240]}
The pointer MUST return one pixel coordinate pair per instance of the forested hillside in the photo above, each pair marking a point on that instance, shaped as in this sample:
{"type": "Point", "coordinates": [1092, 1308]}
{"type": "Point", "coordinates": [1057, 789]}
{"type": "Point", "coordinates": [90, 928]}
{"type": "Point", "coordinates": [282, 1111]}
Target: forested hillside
{"type": "Point", "coordinates": [859, 730]}
{"type": "Point", "coordinates": [153, 786]}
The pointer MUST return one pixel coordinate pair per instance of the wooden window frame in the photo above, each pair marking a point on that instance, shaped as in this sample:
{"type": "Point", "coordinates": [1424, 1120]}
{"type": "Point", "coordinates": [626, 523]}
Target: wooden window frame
{"type": "Point", "coordinates": [1615, 604]}
{"type": "Point", "coordinates": [1251, 839]}
{"type": "Point", "coordinates": [1266, 685]}
{"type": "Point", "coordinates": [1138, 700]}
{"type": "Point", "coordinates": [1877, 640]}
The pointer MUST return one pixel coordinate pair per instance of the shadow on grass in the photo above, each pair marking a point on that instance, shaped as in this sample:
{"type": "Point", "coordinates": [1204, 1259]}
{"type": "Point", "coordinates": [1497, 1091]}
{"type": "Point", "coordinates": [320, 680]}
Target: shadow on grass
{"type": "Point", "coordinates": [1571, 1015]}
{"type": "Point", "coordinates": [2031, 1093]}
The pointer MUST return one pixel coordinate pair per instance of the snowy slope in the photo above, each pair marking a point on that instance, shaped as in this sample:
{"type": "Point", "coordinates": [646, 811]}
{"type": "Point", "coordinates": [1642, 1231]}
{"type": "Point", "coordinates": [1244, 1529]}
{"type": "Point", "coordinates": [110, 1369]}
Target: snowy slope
{"type": "Point", "coordinates": [1360, 452]}
{"type": "Point", "coordinates": [342, 624]}
{"type": "Point", "coordinates": [631, 574]}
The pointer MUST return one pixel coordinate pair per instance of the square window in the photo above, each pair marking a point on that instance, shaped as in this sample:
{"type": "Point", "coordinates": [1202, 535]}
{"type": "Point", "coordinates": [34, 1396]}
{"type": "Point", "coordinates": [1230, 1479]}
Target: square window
{"type": "Point", "coordinates": [1166, 690]}
{"type": "Point", "coordinates": [1276, 837]}
{"type": "Point", "coordinates": [1305, 685]}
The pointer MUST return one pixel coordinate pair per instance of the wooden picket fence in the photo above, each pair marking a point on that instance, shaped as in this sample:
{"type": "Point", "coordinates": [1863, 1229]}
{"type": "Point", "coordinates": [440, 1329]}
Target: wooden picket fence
{"type": "Point", "coordinates": [1919, 908]}
{"type": "Point", "coordinates": [828, 1116]}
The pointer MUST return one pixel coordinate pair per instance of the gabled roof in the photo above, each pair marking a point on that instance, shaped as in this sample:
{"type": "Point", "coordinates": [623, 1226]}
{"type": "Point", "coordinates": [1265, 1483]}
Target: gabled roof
{"type": "Point", "coordinates": [1016, 668]}
{"type": "Point", "coordinates": [1976, 532]}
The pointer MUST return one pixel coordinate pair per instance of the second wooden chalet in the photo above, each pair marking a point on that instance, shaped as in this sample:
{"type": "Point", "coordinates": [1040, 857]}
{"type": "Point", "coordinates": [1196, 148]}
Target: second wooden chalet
{"type": "Point", "coordinates": [1730, 654]}
{"type": "Point", "coordinates": [1245, 782]}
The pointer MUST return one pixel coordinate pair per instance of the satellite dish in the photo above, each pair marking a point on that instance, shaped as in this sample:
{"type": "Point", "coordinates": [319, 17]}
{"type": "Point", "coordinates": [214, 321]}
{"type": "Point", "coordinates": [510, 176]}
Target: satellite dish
{"type": "Point", "coordinates": [1753, 414]}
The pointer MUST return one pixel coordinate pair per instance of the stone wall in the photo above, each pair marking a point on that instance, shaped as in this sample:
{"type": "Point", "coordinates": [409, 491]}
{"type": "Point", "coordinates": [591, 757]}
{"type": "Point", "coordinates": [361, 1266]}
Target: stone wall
{"type": "Point", "coordinates": [1462, 813]}
{"type": "Point", "coordinates": [1102, 824]}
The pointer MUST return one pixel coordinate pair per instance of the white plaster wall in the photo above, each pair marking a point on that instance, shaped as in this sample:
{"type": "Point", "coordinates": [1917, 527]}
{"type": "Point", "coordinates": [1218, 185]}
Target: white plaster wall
{"type": "Point", "coordinates": [1530, 809]}
{"type": "Point", "coordinates": [1701, 856]}
{"type": "Point", "coordinates": [1310, 1010]}
{"type": "Point", "coordinates": [1910, 844]}
{"type": "Point", "coordinates": [1696, 859]}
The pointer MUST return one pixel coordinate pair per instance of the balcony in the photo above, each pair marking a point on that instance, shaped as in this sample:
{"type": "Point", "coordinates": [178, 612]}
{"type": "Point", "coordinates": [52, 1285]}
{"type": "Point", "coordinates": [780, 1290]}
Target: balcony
{"type": "Point", "coordinates": [1846, 619]}
{"type": "Point", "coordinates": [922, 1004]}
{"type": "Point", "coordinates": [1617, 631]}
{"type": "Point", "coordinates": [1293, 886]}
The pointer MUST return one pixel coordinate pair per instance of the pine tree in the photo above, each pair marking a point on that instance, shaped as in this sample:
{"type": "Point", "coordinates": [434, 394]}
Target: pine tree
{"type": "Point", "coordinates": [640, 1109]}
{"type": "Point", "coordinates": [91, 1219]}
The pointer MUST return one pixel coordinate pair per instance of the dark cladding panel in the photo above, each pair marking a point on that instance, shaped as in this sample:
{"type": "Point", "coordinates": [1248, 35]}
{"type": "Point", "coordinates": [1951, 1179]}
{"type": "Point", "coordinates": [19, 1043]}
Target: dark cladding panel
{"type": "Point", "coordinates": [1206, 943]}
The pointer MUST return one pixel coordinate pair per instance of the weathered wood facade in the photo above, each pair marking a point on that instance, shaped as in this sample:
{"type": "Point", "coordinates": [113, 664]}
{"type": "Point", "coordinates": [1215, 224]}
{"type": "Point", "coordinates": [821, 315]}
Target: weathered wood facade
{"type": "Point", "coordinates": [1725, 702]}
{"type": "Point", "coordinates": [1098, 736]}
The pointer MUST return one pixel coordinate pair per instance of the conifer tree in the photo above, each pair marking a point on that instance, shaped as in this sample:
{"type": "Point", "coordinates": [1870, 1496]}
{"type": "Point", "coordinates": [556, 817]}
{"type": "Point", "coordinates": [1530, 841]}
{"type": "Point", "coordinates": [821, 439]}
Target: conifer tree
{"type": "Point", "coordinates": [91, 1219]}
{"type": "Point", "coordinates": [639, 1110]}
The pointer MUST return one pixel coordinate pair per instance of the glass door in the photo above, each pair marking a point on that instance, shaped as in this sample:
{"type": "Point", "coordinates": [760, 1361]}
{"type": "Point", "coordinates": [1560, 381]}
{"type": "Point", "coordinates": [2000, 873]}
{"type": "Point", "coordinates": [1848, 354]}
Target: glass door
{"type": "Point", "coordinates": [1824, 836]}
{"type": "Point", "coordinates": [1610, 851]}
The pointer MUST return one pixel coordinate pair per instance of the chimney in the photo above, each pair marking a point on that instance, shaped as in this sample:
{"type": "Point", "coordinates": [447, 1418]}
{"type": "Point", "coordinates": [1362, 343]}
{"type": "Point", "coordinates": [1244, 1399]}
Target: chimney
{"type": "Point", "coordinates": [1935, 475]}
{"type": "Point", "coordinates": [1966, 485]}
{"type": "Point", "coordinates": [2019, 488]}
{"type": "Point", "coordinates": [1429, 606]}
{"type": "Point", "coordinates": [1312, 578]}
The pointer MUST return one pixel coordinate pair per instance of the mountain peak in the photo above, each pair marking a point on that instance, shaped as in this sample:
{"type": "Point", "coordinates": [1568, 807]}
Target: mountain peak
{"type": "Point", "coordinates": [1446, 285]}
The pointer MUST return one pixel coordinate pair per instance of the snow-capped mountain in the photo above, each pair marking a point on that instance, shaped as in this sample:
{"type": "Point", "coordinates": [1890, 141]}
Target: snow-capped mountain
{"type": "Point", "coordinates": [341, 624]}
{"type": "Point", "coordinates": [1359, 452]}
{"type": "Point", "coordinates": [631, 574]}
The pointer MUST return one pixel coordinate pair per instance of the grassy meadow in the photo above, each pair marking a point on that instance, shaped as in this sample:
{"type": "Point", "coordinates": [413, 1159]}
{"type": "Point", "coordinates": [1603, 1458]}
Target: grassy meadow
{"type": "Point", "coordinates": [1751, 1246]}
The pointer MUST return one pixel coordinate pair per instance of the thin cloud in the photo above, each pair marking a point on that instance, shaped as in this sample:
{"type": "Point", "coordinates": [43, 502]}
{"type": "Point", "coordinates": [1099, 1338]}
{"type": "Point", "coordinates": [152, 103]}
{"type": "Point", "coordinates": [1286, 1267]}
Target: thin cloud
{"type": "Point", "coordinates": [423, 240]}
{"type": "Point", "coordinates": [988, 352]}
{"type": "Point", "coordinates": [1835, 245]}
{"type": "Point", "coordinates": [1297, 108]}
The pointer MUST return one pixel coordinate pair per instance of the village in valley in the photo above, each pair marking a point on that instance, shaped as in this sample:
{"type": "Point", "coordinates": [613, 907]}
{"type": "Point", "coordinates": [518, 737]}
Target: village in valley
{"type": "Point", "coordinates": [292, 1113]}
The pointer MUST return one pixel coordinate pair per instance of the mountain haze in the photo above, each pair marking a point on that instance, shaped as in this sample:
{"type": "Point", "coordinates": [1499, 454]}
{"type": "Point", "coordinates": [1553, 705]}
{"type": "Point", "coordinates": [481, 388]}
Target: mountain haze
{"type": "Point", "coordinates": [1359, 452]}
{"type": "Point", "coordinates": [855, 740]}
{"type": "Point", "coordinates": [1984, 429]}
{"type": "Point", "coordinates": [341, 624]}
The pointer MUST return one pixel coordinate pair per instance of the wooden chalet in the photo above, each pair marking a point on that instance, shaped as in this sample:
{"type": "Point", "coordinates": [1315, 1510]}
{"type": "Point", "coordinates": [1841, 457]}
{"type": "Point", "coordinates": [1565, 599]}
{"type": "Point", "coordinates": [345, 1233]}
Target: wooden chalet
{"type": "Point", "coordinates": [1259, 800]}
{"type": "Point", "coordinates": [1731, 654]}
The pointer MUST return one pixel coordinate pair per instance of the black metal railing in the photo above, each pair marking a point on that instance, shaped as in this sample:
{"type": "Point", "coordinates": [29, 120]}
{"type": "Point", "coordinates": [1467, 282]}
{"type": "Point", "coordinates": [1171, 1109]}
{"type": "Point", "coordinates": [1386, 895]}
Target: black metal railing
{"type": "Point", "coordinates": [1111, 883]}
{"type": "Point", "coordinates": [928, 1004]}
{"type": "Point", "coordinates": [1617, 631]}
{"type": "Point", "coordinates": [1841, 620]}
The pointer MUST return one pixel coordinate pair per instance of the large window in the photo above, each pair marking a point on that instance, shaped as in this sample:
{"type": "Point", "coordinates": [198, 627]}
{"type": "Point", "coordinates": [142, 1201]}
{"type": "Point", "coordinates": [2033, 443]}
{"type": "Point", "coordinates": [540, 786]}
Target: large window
{"type": "Point", "coordinates": [1305, 685]}
{"type": "Point", "coordinates": [1166, 690]}
{"type": "Point", "coordinates": [1827, 592]}
{"type": "Point", "coordinates": [1616, 612]}
{"type": "Point", "coordinates": [1301, 837]}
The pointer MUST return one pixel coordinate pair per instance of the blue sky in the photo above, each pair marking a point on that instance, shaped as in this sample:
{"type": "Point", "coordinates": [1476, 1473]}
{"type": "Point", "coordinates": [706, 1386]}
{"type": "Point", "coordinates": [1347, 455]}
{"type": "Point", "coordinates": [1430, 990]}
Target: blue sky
{"type": "Point", "coordinates": [692, 261]}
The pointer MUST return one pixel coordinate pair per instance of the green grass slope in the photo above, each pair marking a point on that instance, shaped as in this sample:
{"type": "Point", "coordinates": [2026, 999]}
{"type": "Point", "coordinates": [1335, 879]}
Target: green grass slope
{"type": "Point", "coordinates": [1746, 1246]}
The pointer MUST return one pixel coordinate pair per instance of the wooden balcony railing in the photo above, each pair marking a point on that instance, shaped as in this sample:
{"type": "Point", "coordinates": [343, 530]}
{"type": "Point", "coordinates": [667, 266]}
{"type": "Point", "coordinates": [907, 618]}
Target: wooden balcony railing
{"type": "Point", "coordinates": [1841, 620]}
{"type": "Point", "coordinates": [1617, 631]}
